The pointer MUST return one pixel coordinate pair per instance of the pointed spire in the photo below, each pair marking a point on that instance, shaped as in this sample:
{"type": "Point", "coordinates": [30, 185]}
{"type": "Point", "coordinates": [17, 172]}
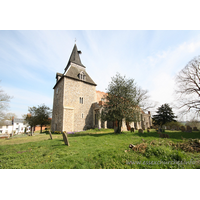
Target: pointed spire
{"type": "Point", "coordinates": [75, 58]}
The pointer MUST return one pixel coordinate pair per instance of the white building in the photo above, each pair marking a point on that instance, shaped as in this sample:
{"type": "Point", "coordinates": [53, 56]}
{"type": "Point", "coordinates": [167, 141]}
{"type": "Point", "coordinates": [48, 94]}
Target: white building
{"type": "Point", "coordinates": [17, 126]}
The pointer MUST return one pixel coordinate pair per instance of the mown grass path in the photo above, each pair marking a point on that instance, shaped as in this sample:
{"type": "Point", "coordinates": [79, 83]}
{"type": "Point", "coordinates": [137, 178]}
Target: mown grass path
{"type": "Point", "coordinates": [95, 150]}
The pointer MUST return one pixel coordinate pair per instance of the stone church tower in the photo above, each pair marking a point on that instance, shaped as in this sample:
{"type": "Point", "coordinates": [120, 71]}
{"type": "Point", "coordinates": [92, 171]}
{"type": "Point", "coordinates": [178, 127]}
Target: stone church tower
{"type": "Point", "coordinates": [74, 94]}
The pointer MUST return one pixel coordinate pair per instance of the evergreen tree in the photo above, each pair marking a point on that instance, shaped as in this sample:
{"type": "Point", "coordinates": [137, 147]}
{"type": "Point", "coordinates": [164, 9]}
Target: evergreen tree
{"type": "Point", "coordinates": [164, 115]}
{"type": "Point", "coordinates": [121, 101]}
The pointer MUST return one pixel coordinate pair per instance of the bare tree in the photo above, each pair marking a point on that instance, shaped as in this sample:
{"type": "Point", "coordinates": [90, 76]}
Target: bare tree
{"type": "Point", "coordinates": [9, 116]}
{"type": "Point", "coordinates": [144, 100]}
{"type": "Point", "coordinates": [188, 87]}
{"type": "Point", "coordinates": [193, 123]}
{"type": "Point", "coordinates": [4, 99]}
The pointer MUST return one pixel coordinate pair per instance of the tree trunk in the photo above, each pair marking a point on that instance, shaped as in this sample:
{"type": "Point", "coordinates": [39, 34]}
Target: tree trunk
{"type": "Point", "coordinates": [32, 131]}
{"type": "Point", "coordinates": [40, 128]}
{"type": "Point", "coordinates": [119, 126]}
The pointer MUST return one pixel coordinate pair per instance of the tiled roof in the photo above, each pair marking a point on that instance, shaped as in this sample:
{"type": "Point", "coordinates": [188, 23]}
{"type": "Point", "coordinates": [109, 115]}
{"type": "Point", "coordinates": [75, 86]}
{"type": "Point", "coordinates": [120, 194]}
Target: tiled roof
{"type": "Point", "coordinates": [73, 72]}
{"type": "Point", "coordinates": [100, 95]}
{"type": "Point", "coordinates": [74, 58]}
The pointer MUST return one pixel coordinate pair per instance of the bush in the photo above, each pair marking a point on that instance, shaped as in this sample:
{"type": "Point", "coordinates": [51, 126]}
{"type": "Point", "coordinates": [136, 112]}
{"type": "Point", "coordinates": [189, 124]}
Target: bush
{"type": "Point", "coordinates": [154, 151]}
{"type": "Point", "coordinates": [173, 125]}
{"type": "Point", "coordinates": [165, 154]}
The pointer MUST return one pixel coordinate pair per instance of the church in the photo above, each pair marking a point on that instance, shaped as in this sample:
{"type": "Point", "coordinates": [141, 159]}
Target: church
{"type": "Point", "coordinates": [76, 102]}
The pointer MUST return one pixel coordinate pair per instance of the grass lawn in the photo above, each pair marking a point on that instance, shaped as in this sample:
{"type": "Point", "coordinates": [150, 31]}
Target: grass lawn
{"type": "Point", "coordinates": [96, 149]}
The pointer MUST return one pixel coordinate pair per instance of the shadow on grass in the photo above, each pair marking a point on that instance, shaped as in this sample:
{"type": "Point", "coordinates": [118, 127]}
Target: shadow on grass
{"type": "Point", "coordinates": [96, 134]}
{"type": "Point", "coordinates": [77, 134]}
{"type": "Point", "coordinates": [172, 135]}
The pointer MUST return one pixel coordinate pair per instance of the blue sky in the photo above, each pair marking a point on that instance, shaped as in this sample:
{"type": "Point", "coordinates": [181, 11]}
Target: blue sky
{"type": "Point", "coordinates": [29, 61]}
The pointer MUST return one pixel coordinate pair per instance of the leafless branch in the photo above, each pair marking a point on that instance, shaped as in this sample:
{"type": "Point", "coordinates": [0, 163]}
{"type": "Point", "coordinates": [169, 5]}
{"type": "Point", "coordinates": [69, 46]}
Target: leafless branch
{"type": "Point", "coordinates": [188, 87]}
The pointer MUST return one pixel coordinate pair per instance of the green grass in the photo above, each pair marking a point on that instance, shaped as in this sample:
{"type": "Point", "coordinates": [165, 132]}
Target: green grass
{"type": "Point", "coordinates": [95, 149]}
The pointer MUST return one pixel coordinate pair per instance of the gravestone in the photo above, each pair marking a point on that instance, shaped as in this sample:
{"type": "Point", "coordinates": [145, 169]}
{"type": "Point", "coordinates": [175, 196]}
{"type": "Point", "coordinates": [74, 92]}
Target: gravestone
{"type": "Point", "coordinates": [65, 138]}
{"type": "Point", "coordinates": [140, 131]}
{"type": "Point", "coordinates": [195, 129]}
{"type": "Point", "coordinates": [132, 130]}
{"type": "Point", "coordinates": [189, 129]}
{"type": "Point", "coordinates": [50, 135]}
{"type": "Point", "coordinates": [183, 128]}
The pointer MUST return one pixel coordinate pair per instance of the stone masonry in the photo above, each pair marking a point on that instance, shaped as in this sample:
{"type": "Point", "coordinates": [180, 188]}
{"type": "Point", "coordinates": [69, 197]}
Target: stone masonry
{"type": "Point", "coordinates": [74, 94]}
{"type": "Point", "coordinates": [77, 104]}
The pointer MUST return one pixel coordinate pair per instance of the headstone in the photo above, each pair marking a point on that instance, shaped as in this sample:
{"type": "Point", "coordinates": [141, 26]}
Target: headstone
{"type": "Point", "coordinates": [183, 128]}
{"type": "Point", "coordinates": [65, 138]}
{"type": "Point", "coordinates": [50, 135]}
{"type": "Point", "coordinates": [195, 129]}
{"type": "Point", "coordinates": [132, 130]}
{"type": "Point", "coordinates": [140, 131]}
{"type": "Point", "coordinates": [189, 129]}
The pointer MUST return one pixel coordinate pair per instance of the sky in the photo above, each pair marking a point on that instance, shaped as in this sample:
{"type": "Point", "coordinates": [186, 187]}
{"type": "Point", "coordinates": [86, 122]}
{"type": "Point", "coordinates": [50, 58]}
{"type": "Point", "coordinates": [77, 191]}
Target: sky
{"type": "Point", "coordinates": [29, 61]}
{"type": "Point", "coordinates": [149, 41]}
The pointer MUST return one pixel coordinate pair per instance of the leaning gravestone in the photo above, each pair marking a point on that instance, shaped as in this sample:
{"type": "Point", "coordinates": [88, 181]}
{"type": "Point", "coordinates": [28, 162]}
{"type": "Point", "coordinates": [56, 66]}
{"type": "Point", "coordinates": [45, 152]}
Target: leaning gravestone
{"type": "Point", "coordinates": [50, 135]}
{"type": "Point", "coordinates": [65, 138]}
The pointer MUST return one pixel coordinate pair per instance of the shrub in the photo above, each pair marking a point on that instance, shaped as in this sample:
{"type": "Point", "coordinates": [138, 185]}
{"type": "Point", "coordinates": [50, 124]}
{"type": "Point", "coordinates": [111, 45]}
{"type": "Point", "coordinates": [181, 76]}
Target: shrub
{"type": "Point", "coordinates": [165, 154]}
{"type": "Point", "coordinates": [173, 125]}
{"type": "Point", "coordinates": [154, 151]}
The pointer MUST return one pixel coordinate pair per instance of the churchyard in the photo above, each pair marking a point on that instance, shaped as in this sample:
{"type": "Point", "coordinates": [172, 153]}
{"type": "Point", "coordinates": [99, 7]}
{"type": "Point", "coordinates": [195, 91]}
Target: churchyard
{"type": "Point", "coordinates": [102, 149]}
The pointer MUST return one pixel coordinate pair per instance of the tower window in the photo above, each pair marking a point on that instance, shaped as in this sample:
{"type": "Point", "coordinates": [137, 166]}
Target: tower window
{"type": "Point", "coordinates": [81, 100]}
{"type": "Point", "coordinates": [82, 115]}
{"type": "Point", "coordinates": [82, 76]}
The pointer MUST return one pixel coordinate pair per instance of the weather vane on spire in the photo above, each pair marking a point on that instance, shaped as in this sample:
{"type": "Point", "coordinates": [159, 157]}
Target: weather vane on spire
{"type": "Point", "coordinates": [75, 40]}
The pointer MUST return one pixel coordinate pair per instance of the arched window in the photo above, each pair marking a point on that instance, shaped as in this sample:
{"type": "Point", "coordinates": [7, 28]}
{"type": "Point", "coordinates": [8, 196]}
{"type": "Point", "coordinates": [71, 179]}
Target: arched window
{"type": "Point", "coordinates": [82, 76]}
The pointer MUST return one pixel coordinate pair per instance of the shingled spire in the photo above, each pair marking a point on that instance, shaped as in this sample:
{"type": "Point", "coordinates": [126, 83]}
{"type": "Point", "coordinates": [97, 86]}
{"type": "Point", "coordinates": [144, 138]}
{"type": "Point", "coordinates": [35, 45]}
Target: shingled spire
{"type": "Point", "coordinates": [75, 58]}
